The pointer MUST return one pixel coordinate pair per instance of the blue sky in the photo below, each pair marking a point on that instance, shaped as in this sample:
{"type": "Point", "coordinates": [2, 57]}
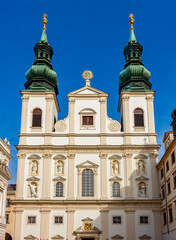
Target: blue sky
{"type": "Point", "coordinates": [86, 34]}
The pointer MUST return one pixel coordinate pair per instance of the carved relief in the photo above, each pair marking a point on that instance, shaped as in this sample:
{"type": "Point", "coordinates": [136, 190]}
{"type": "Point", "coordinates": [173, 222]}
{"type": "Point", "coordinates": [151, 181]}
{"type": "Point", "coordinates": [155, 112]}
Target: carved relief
{"type": "Point", "coordinates": [60, 126]}
{"type": "Point", "coordinates": [114, 126]}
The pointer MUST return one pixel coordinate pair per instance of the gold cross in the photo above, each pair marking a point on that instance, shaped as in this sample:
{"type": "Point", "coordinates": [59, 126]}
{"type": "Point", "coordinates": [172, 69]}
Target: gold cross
{"type": "Point", "coordinates": [44, 20]}
{"type": "Point", "coordinates": [131, 21]}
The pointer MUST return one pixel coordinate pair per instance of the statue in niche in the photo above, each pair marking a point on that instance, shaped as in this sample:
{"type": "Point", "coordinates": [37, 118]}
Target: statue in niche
{"type": "Point", "coordinates": [33, 189]}
{"type": "Point", "coordinates": [115, 167]}
{"type": "Point", "coordinates": [34, 167]}
{"type": "Point", "coordinates": [142, 190]}
{"type": "Point", "coordinates": [141, 167]}
{"type": "Point", "coordinates": [60, 167]}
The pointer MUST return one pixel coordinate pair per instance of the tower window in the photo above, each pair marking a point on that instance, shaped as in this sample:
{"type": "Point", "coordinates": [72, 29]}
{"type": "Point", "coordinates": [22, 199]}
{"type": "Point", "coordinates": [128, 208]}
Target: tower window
{"type": "Point", "coordinates": [41, 54]}
{"type": "Point", "coordinates": [46, 55]}
{"type": "Point", "coordinates": [87, 183]}
{"type": "Point", "coordinates": [138, 117]}
{"type": "Point", "coordinates": [37, 118]}
{"type": "Point", "coordinates": [134, 55]}
{"type": "Point", "coordinates": [116, 189]}
{"type": "Point", "coordinates": [59, 189]}
{"type": "Point", "coordinates": [87, 120]}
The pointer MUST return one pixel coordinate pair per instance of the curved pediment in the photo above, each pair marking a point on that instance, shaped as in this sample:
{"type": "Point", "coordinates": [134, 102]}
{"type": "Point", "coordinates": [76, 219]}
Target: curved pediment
{"type": "Point", "coordinates": [141, 156]}
{"type": "Point", "coordinates": [34, 156]}
{"type": "Point", "coordinates": [115, 157]}
{"type": "Point", "coordinates": [87, 111]}
{"type": "Point", "coordinates": [33, 179]}
{"type": "Point", "coordinates": [59, 157]}
{"type": "Point", "coordinates": [142, 178]}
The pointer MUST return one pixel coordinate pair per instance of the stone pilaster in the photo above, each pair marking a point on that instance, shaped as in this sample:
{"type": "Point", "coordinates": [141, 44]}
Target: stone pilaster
{"type": "Point", "coordinates": [71, 120]}
{"type": "Point", "coordinates": [128, 175]}
{"type": "Point", "coordinates": [20, 176]}
{"type": "Point", "coordinates": [103, 159]}
{"type": "Point", "coordinates": [126, 118]}
{"type": "Point", "coordinates": [151, 120]}
{"type": "Point", "coordinates": [45, 223]}
{"type": "Point", "coordinates": [103, 112]}
{"type": "Point", "coordinates": [104, 223]}
{"type": "Point", "coordinates": [18, 224]}
{"type": "Point", "coordinates": [46, 178]}
{"type": "Point", "coordinates": [71, 172]}
{"type": "Point", "coordinates": [154, 175]}
{"type": "Point", "coordinates": [130, 224]}
{"type": "Point", "coordinates": [70, 224]}
{"type": "Point", "coordinates": [24, 114]}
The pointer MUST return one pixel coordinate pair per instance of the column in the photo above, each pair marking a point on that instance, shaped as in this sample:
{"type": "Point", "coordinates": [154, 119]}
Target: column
{"type": "Point", "coordinates": [70, 224]}
{"type": "Point", "coordinates": [130, 224]}
{"type": "Point", "coordinates": [126, 118]}
{"type": "Point", "coordinates": [128, 178]}
{"type": "Point", "coordinates": [104, 223]}
{"type": "Point", "coordinates": [103, 159]}
{"type": "Point", "coordinates": [49, 118]}
{"type": "Point", "coordinates": [71, 120]}
{"type": "Point", "coordinates": [71, 175]}
{"type": "Point", "coordinates": [157, 224]}
{"type": "Point", "coordinates": [20, 176]}
{"type": "Point", "coordinates": [79, 183]}
{"type": "Point", "coordinates": [46, 178]}
{"type": "Point", "coordinates": [154, 175]}
{"type": "Point", "coordinates": [45, 223]}
{"type": "Point", "coordinates": [151, 120]}
{"type": "Point", "coordinates": [95, 183]}
{"type": "Point", "coordinates": [18, 224]}
{"type": "Point", "coordinates": [103, 113]}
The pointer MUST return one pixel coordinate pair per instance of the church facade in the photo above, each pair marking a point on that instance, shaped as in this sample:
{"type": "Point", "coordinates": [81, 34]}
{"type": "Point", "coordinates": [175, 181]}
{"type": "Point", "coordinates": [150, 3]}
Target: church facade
{"type": "Point", "coordinates": [87, 176]}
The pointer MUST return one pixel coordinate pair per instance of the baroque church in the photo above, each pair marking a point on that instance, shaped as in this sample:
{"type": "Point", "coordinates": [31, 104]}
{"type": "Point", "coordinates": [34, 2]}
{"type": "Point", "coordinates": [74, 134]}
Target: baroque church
{"type": "Point", "coordinates": [87, 177]}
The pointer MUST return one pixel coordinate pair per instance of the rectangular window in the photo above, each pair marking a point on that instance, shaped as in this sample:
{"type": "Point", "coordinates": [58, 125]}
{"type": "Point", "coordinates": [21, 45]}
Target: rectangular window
{"type": "Point", "coordinates": [163, 193]}
{"type": "Point", "coordinates": [31, 219]}
{"type": "Point", "coordinates": [58, 219]}
{"type": "Point", "coordinates": [8, 202]}
{"type": "Point", "coordinates": [7, 218]}
{"type": "Point", "coordinates": [174, 181]}
{"type": "Point", "coordinates": [173, 157]}
{"type": "Point", "coordinates": [170, 215]}
{"type": "Point", "coordinates": [167, 166]}
{"type": "Point", "coordinates": [162, 173]}
{"type": "Point", "coordinates": [117, 220]}
{"type": "Point", "coordinates": [168, 188]}
{"type": "Point", "coordinates": [144, 219]}
{"type": "Point", "coordinates": [87, 120]}
{"type": "Point", "coordinates": [164, 218]}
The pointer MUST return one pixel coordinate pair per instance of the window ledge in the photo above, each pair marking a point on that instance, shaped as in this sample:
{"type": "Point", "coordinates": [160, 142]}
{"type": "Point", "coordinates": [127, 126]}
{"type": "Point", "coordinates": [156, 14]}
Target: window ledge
{"type": "Point", "coordinates": [87, 127]}
{"type": "Point", "coordinates": [139, 129]}
{"type": "Point", "coordinates": [36, 129]}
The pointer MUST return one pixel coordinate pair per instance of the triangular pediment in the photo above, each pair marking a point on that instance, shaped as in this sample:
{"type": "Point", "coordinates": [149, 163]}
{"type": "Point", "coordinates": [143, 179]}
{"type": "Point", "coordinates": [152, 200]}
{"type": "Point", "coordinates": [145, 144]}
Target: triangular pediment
{"type": "Point", "coordinates": [116, 178]}
{"type": "Point", "coordinates": [87, 219]}
{"type": "Point", "coordinates": [145, 237]}
{"type": "Point", "coordinates": [140, 156]}
{"type": "Point", "coordinates": [59, 179]}
{"type": "Point", "coordinates": [87, 90]}
{"type": "Point", "coordinates": [87, 164]}
{"type": "Point", "coordinates": [57, 237]}
{"type": "Point", "coordinates": [30, 237]}
{"type": "Point", "coordinates": [142, 178]}
{"type": "Point", "coordinates": [33, 179]}
{"type": "Point", "coordinates": [117, 237]}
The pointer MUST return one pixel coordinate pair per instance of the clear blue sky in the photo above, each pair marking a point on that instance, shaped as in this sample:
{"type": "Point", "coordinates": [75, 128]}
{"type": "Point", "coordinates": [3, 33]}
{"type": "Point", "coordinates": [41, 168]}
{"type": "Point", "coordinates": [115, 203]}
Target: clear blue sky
{"type": "Point", "coordinates": [86, 34]}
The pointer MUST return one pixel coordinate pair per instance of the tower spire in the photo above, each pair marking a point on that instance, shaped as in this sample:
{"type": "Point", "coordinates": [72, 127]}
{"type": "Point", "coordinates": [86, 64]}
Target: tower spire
{"type": "Point", "coordinates": [135, 77]}
{"type": "Point", "coordinates": [41, 77]}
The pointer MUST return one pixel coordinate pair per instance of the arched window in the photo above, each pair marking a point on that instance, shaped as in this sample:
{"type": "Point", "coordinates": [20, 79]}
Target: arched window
{"type": "Point", "coordinates": [116, 189]}
{"type": "Point", "coordinates": [87, 183]}
{"type": "Point", "coordinates": [37, 118]}
{"type": "Point", "coordinates": [138, 117]}
{"type": "Point", "coordinates": [59, 189]}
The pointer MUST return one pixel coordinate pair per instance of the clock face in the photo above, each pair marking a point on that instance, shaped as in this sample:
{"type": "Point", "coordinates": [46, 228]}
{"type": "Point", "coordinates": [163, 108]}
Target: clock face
{"type": "Point", "coordinates": [87, 226]}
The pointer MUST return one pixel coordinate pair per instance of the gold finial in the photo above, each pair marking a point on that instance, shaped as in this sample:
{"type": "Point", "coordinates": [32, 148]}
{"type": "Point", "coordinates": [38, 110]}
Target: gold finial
{"type": "Point", "coordinates": [131, 21]}
{"type": "Point", "coordinates": [44, 20]}
{"type": "Point", "coordinates": [87, 75]}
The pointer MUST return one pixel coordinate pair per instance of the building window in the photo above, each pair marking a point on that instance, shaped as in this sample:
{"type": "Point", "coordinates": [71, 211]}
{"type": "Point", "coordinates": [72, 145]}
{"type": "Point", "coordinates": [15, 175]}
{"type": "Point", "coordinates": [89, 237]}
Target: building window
{"type": "Point", "coordinates": [138, 117]}
{"type": "Point", "coordinates": [167, 166]}
{"type": "Point", "coordinates": [174, 182]}
{"type": "Point", "coordinates": [87, 183]}
{"type": "Point", "coordinates": [8, 202]}
{"type": "Point", "coordinates": [116, 219]}
{"type": "Point", "coordinates": [163, 193]}
{"type": "Point", "coordinates": [116, 189]}
{"type": "Point", "coordinates": [168, 188]}
{"type": "Point", "coordinates": [164, 218]}
{"type": "Point", "coordinates": [31, 219]}
{"type": "Point", "coordinates": [59, 189]}
{"type": "Point", "coordinates": [173, 157]}
{"type": "Point", "coordinates": [7, 218]}
{"type": "Point", "coordinates": [144, 219]}
{"type": "Point", "coordinates": [170, 215]}
{"type": "Point", "coordinates": [87, 120]}
{"type": "Point", "coordinates": [58, 219]}
{"type": "Point", "coordinates": [162, 174]}
{"type": "Point", "coordinates": [37, 118]}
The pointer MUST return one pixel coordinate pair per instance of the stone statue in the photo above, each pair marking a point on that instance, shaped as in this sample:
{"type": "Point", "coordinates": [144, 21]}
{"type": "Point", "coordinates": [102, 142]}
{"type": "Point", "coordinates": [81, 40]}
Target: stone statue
{"type": "Point", "coordinates": [141, 167]}
{"type": "Point", "coordinates": [34, 167]}
{"type": "Point", "coordinates": [60, 167]}
{"type": "Point", "coordinates": [33, 188]}
{"type": "Point", "coordinates": [142, 190]}
{"type": "Point", "coordinates": [115, 167]}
